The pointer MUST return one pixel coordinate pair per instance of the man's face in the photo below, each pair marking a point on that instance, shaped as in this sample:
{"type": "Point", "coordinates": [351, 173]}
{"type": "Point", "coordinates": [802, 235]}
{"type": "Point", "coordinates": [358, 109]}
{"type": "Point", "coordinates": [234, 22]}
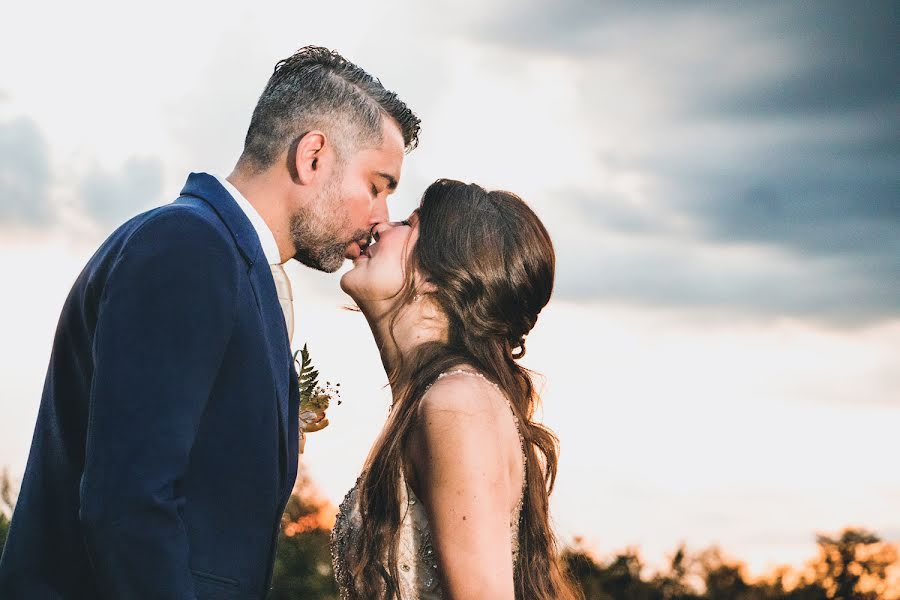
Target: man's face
{"type": "Point", "coordinates": [353, 200]}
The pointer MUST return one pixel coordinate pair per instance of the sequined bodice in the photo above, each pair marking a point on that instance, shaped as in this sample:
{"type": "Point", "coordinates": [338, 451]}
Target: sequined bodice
{"type": "Point", "coordinates": [418, 562]}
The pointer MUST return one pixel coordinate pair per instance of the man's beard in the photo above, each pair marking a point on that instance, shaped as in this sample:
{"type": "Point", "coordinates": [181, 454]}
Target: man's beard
{"type": "Point", "coordinates": [315, 233]}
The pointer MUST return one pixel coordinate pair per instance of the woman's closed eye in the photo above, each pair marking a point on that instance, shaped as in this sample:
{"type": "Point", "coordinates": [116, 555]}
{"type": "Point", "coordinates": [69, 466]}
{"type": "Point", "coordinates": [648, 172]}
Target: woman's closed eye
{"type": "Point", "coordinates": [377, 229]}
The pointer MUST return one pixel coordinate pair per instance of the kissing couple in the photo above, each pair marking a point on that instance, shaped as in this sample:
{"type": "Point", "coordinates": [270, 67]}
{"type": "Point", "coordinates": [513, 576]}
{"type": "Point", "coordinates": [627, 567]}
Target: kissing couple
{"type": "Point", "coordinates": [167, 440]}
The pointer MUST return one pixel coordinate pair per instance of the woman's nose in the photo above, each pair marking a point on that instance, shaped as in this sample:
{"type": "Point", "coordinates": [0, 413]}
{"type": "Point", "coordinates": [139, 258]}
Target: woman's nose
{"type": "Point", "coordinates": [380, 228]}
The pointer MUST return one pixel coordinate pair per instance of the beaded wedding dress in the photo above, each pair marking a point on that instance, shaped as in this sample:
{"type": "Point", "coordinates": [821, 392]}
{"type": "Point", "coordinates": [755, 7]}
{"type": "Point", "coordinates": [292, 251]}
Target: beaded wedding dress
{"type": "Point", "coordinates": [417, 558]}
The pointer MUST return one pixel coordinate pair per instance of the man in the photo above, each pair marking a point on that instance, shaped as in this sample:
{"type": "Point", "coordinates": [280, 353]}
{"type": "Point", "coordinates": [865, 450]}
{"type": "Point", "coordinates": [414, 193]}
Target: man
{"type": "Point", "coordinates": [166, 444]}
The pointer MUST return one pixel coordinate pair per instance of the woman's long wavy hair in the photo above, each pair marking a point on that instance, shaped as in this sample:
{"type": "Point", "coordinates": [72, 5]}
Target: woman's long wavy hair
{"type": "Point", "coordinates": [492, 264]}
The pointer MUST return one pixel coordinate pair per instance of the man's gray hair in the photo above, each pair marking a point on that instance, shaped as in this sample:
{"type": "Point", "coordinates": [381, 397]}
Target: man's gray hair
{"type": "Point", "coordinates": [317, 88]}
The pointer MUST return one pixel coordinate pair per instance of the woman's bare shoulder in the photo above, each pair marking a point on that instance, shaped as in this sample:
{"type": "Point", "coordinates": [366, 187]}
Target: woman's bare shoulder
{"type": "Point", "coordinates": [459, 395]}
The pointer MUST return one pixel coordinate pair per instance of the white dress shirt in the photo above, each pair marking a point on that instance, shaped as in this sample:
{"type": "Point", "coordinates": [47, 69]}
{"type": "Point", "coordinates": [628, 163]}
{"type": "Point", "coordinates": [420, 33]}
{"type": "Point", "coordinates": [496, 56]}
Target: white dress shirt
{"type": "Point", "coordinates": [273, 256]}
{"type": "Point", "coordinates": [265, 235]}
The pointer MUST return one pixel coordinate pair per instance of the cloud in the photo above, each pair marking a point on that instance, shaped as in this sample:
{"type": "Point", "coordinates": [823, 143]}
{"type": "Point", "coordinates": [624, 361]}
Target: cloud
{"type": "Point", "coordinates": [33, 190]}
{"type": "Point", "coordinates": [761, 285]}
{"type": "Point", "coordinates": [763, 143]}
{"type": "Point", "coordinates": [25, 174]}
{"type": "Point", "coordinates": [846, 60]}
{"type": "Point", "coordinates": [110, 198]}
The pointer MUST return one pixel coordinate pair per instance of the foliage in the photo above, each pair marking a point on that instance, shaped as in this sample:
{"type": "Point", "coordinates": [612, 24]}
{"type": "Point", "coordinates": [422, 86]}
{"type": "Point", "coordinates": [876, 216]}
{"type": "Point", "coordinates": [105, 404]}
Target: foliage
{"type": "Point", "coordinates": [303, 560]}
{"type": "Point", "coordinates": [857, 565]}
{"type": "Point", "coordinates": [7, 502]}
{"type": "Point", "coordinates": [313, 396]}
{"type": "Point", "coordinates": [854, 565]}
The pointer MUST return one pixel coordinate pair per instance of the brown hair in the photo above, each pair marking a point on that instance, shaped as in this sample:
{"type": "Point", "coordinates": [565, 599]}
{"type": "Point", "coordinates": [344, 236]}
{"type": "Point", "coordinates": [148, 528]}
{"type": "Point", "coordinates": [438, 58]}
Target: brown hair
{"type": "Point", "coordinates": [492, 263]}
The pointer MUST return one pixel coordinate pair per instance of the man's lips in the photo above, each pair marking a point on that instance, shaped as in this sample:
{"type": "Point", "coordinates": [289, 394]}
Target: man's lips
{"type": "Point", "coordinates": [353, 251]}
{"type": "Point", "coordinates": [357, 249]}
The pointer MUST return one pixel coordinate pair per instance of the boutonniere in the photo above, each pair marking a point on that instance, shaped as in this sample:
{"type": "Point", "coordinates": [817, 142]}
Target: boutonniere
{"type": "Point", "coordinates": [314, 398]}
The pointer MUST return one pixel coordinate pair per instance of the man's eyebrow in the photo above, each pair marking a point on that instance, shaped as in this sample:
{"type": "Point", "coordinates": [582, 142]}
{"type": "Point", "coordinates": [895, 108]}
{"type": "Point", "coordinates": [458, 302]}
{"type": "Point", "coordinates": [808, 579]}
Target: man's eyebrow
{"type": "Point", "coordinates": [392, 183]}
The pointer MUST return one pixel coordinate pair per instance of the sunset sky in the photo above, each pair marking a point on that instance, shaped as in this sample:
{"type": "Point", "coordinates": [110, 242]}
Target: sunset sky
{"type": "Point", "coordinates": [722, 184]}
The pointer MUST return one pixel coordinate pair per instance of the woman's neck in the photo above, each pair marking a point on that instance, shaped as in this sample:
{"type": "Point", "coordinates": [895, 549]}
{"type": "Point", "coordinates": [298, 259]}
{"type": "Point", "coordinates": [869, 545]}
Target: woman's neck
{"type": "Point", "coordinates": [417, 324]}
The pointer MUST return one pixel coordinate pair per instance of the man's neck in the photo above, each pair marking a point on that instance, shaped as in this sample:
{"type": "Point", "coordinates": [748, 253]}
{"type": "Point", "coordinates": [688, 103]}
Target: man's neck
{"type": "Point", "coordinates": [263, 194]}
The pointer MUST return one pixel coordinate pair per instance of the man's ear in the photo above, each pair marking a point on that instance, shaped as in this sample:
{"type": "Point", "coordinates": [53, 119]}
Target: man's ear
{"type": "Point", "coordinates": [307, 157]}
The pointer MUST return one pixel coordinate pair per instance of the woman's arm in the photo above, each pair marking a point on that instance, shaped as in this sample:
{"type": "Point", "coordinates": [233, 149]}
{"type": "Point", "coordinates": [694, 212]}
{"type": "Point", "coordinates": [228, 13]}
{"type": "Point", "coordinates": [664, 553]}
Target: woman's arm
{"type": "Point", "coordinates": [459, 453]}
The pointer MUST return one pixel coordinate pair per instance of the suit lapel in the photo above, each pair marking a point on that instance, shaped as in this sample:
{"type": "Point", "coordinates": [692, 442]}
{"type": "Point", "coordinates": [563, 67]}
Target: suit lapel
{"type": "Point", "coordinates": [207, 188]}
{"type": "Point", "coordinates": [279, 350]}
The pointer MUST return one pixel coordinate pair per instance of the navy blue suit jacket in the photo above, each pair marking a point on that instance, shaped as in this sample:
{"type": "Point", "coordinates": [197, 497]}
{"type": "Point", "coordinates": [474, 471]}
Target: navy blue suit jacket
{"type": "Point", "coordinates": [165, 448]}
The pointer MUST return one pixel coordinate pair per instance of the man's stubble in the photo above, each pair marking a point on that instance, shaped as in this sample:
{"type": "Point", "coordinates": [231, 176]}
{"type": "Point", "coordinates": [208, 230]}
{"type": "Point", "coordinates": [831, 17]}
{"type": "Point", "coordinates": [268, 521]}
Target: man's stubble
{"type": "Point", "coordinates": [317, 231]}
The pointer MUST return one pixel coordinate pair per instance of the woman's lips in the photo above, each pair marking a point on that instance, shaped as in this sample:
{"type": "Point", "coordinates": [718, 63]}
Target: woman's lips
{"type": "Point", "coordinates": [358, 248]}
{"type": "Point", "coordinates": [353, 251]}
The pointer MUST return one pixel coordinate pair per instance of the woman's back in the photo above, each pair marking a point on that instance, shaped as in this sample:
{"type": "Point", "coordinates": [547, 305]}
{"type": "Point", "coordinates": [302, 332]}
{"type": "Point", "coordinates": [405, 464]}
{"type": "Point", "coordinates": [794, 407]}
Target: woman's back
{"type": "Point", "coordinates": [448, 409]}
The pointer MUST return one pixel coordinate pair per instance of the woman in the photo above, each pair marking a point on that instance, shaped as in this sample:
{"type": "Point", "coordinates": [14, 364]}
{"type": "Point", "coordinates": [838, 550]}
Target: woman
{"type": "Point", "coordinates": [453, 501]}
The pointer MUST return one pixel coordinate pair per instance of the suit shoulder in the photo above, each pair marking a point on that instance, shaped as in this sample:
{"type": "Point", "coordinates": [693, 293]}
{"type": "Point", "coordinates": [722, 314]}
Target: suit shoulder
{"type": "Point", "coordinates": [176, 227]}
{"type": "Point", "coordinates": [180, 218]}
{"type": "Point", "coordinates": [169, 237]}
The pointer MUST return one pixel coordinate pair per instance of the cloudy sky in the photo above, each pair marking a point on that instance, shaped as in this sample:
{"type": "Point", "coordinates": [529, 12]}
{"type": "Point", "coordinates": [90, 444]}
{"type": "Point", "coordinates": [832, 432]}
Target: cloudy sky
{"type": "Point", "coordinates": [722, 184]}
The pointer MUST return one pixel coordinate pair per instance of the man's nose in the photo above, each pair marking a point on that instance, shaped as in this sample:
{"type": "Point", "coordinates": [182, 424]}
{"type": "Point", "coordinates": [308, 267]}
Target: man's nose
{"type": "Point", "coordinates": [379, 212]}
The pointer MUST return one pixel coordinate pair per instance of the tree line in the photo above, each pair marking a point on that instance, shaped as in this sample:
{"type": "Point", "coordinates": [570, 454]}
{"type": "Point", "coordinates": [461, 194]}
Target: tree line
{"type": "Point", "coordinates": [855, 564]}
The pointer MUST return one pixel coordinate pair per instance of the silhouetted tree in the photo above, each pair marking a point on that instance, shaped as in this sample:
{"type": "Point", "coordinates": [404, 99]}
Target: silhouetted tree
{"type": "Point", "coordinates": [674, 584]}
{"type": "Point", "coordinates": [854, 566]}
{"type": "Point", "coordinates": [617, 579]}
{"type": "Point", "coordinates": [7, 503]}
{"type": "Point", "coordinates": [303, 559]}
{"type": "Point", "coordinates": [723, 579]}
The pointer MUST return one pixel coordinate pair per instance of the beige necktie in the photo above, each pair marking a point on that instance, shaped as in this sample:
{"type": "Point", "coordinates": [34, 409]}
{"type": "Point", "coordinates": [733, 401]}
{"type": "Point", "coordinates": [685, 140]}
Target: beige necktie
{"type": "Point", "coordinates": [285, 297]}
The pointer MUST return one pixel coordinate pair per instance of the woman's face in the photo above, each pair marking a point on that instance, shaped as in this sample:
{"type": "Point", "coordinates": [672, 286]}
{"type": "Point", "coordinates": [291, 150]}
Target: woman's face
{"type": "Point", "coordinates": [380, 272]}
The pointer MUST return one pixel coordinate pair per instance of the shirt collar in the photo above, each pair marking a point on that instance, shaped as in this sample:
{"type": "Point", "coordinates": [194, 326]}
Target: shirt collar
{"type": "Point", "coordinates": [265, 235]}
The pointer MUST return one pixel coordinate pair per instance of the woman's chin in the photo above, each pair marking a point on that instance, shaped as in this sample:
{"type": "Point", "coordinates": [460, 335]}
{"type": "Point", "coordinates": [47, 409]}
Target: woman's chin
{"type": "Point", "coordinates": [353, 284]}
{"type": "Point", "coordinates": [347, 283]}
